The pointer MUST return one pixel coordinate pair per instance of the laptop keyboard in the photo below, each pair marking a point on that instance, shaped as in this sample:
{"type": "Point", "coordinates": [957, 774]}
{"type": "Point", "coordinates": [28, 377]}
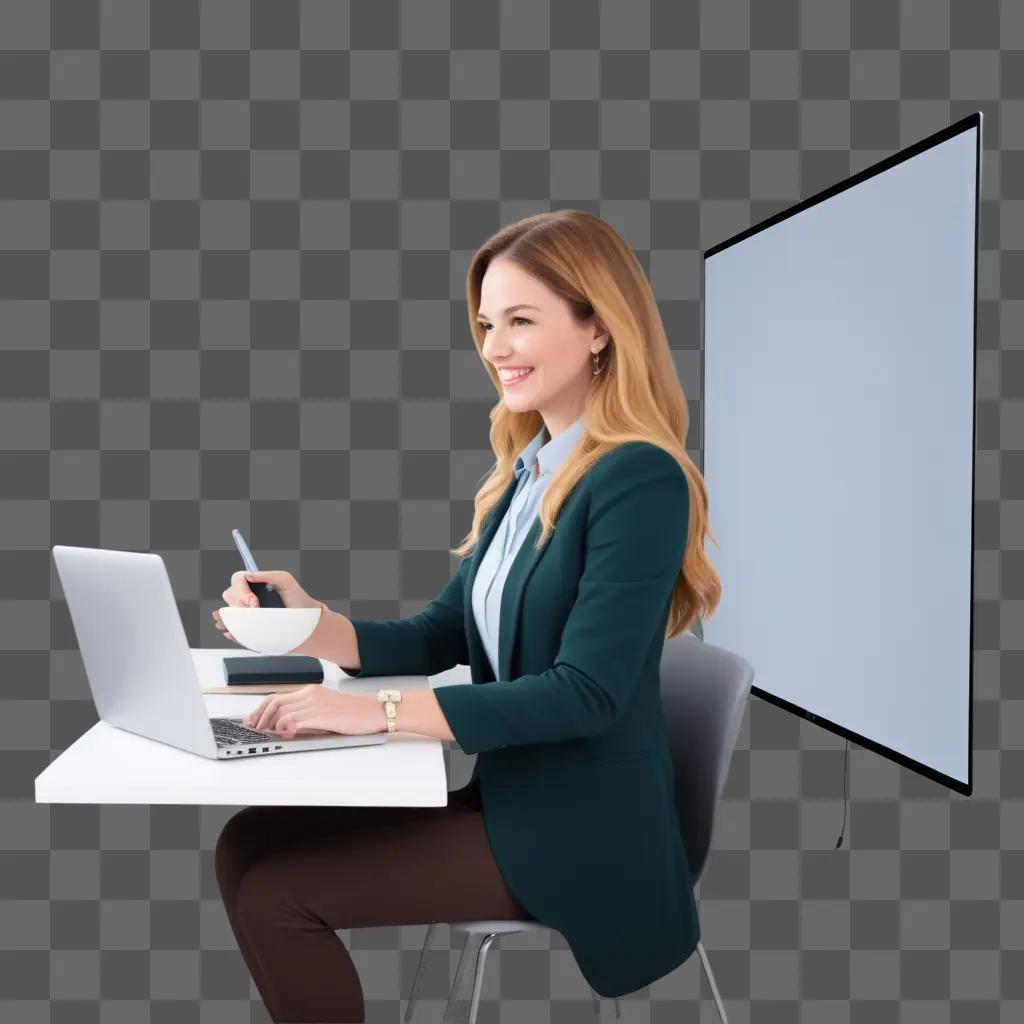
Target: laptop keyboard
{"type": "Point", "coordinates": [228, 732]}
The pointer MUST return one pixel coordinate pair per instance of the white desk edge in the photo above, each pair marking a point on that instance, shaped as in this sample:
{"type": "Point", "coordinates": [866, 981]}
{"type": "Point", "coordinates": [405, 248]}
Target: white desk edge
{"type": "Point", "coordinates": [108, 765]}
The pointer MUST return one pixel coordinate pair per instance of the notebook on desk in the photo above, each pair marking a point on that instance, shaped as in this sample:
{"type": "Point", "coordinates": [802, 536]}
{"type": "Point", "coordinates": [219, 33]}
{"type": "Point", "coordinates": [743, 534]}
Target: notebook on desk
{"type": "Point", "coordinates": [254, 688]}
{"type": "Point", "coordinates": [277, 673]}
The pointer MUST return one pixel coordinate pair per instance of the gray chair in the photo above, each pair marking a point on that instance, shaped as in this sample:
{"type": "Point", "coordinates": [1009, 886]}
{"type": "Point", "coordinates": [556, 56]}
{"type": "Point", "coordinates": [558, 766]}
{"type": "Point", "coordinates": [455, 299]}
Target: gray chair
{"type": "Point", "coordinates": [704, 690]}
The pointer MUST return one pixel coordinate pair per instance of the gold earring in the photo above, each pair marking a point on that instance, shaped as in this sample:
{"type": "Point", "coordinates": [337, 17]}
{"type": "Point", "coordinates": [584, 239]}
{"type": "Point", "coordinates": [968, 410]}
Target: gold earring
{"type": "Point", "coordinates": [596, 370]}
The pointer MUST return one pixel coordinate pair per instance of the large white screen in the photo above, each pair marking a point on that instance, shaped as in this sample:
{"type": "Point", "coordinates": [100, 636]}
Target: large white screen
{"type": "Point", "coordinates": [838, 453]}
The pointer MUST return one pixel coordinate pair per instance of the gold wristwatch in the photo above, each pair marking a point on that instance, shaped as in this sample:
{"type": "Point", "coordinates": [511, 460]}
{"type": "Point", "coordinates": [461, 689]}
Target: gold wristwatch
{"type": "Point", "coordinates": [389, 698]}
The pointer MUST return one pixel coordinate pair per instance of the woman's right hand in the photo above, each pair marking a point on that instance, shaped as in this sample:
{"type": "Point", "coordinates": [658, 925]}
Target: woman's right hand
{"type": "Point", "coordinates": [240, 595]}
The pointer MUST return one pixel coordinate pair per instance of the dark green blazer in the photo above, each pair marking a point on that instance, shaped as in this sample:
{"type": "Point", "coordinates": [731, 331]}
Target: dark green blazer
{"type": "Point", "coordinates": [573, 760]}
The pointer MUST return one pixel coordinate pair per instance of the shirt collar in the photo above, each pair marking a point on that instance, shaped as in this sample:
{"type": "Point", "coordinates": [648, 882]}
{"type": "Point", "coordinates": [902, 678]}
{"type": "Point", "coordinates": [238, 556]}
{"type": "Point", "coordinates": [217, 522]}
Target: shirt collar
{"type": "Point", "coordinates": [550, 455]}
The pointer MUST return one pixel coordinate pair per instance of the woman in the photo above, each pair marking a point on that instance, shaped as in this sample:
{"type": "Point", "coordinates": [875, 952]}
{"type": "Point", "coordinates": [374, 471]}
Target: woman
{"type": "Point", "coordinates": [569, 818]}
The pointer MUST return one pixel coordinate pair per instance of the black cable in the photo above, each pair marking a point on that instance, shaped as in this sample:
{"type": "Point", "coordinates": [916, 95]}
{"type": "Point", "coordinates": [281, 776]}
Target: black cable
{"type": "Point", "coordinates": [846, 766]}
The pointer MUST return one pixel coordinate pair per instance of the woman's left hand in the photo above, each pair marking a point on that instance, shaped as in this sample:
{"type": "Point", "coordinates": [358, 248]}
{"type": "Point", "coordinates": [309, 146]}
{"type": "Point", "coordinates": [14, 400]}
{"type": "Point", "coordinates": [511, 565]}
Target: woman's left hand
{"type": "Point", "coordinates": [314, 708]}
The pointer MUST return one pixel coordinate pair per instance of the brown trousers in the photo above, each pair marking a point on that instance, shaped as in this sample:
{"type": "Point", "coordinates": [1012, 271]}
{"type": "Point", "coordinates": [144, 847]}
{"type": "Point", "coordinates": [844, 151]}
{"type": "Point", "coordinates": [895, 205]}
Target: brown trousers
{"type": "Point", "coordinates": [290, 876]}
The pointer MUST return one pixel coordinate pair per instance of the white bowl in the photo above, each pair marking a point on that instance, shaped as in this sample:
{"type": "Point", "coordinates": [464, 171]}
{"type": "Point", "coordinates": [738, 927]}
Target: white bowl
{"type": "Point", "coordinates": [270, 630]}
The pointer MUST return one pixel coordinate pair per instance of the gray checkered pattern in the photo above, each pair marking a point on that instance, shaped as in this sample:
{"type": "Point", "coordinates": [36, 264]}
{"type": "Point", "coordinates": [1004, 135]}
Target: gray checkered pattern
{"type": "Point", "coordinates": [233, 240]}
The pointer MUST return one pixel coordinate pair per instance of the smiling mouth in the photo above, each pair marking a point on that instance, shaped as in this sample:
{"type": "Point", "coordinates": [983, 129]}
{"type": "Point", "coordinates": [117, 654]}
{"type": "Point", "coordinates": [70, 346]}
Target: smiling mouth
{"type": "Point", "coordinates": [515, 380]}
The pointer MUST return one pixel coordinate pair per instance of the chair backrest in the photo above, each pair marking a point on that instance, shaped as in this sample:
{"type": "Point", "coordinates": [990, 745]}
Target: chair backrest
{"type": "Point", "coordinates": [704, 690]}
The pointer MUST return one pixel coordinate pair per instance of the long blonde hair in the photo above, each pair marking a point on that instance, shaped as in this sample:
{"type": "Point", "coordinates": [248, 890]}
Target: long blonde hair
{"type": "Point", "coordinates": [636, 396]}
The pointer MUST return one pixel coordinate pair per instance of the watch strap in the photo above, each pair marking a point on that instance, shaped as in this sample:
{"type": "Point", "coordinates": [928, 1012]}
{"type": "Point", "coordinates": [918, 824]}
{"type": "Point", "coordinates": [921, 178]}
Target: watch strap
{"type": "Point", "coordinates": [389, 698]}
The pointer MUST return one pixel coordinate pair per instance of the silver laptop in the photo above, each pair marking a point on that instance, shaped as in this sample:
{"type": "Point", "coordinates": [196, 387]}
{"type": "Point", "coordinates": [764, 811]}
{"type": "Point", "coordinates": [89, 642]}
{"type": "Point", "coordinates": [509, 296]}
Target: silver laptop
{"type": "Point", "coordinates": [139, 665]}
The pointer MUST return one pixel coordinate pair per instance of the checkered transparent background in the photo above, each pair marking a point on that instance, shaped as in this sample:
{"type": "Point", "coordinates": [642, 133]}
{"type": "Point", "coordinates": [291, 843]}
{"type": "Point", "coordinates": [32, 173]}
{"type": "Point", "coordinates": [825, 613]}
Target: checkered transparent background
{"type": "Point", "coordinates": [233, 242]}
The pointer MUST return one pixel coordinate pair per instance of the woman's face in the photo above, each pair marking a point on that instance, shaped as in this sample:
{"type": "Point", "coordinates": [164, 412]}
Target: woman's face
{"type": "Point", "coordinates": [526, 325]}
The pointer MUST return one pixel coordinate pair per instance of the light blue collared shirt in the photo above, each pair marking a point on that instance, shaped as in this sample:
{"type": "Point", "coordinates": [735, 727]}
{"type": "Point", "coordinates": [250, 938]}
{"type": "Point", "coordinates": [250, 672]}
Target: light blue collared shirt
{"type": "Point", "coordinates": [508, 538]}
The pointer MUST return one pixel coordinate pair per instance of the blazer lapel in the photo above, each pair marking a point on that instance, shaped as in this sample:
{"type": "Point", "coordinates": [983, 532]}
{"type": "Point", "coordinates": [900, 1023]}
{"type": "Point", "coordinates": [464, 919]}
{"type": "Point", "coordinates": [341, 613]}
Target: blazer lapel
{"type": "Point", "coordinates": [512, 595]}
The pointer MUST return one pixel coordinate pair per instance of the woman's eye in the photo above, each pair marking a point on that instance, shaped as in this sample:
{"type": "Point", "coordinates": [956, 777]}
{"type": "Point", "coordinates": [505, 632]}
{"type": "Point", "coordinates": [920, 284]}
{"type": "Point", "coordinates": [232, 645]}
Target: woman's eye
{"type": "Point", "coordinates": [516, 320]}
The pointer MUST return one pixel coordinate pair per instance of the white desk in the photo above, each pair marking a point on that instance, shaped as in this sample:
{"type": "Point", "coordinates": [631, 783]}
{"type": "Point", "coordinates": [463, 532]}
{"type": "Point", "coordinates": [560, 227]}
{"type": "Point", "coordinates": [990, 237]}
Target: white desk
{"type": "Point", "coordinates": [111, 766]}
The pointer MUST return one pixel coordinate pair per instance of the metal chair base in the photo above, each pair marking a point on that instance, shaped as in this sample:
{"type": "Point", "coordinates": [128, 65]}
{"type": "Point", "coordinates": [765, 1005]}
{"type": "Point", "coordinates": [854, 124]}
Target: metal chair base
{"type": "Point", "coordinates": [479, 936]}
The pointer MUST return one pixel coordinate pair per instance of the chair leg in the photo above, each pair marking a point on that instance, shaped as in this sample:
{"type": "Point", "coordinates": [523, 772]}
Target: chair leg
{"type": "Point", "coordinates": [711, 981]}
{"type": "Point", "coordinates": [473, 952]}
{"type": "Point", "coordinates": [478, 977]}
{"type": "Point", "coordinates": [416, 977]}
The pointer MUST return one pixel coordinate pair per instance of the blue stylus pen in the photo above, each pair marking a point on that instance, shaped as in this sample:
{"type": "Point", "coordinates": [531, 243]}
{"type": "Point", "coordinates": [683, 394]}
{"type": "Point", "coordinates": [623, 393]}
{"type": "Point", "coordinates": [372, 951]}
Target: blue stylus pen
{"type": "Point", "coordinates": [265, 593]}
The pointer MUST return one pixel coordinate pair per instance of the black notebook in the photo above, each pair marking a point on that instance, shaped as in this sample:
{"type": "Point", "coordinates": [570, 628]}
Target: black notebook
{"type": "Point", "coordinates": [273, 668]}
